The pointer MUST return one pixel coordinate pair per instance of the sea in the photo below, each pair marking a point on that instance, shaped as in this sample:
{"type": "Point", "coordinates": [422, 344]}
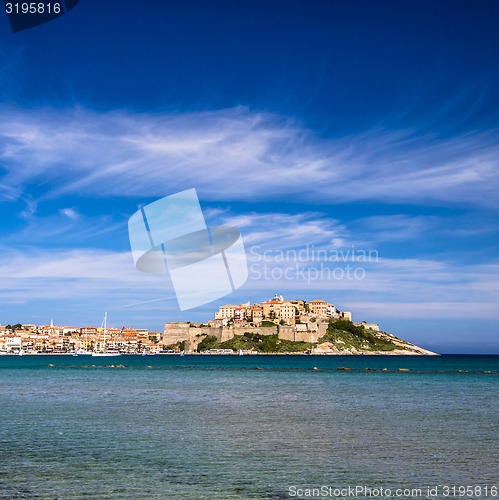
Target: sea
{"type": "Point", "coordinates": [248, 427]}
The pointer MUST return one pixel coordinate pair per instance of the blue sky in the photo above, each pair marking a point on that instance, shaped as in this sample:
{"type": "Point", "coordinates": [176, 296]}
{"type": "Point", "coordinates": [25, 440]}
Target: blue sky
{"type": "Point", "coordinates": [338, 125]}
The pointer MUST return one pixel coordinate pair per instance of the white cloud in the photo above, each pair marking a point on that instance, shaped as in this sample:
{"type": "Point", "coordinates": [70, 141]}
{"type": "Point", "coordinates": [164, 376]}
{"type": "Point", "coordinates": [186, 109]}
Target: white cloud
{"type": "Point", "coordinates": [281, 230]}
{"type": "Point", "coordinates": [422, 310]}
{"type": "Point", "coordinates": [70, 213]}
{"type": "Point", "coordinates": [111, 267]}
{"type": "Point", "coordinates": [237, 154]}
{"type": "Point", "coordinates": [65, 228]}
{"type": "Point", "coordinates": [95, 277]}
{"type": "Point", "coordinates": [391, 288]}
{"type": "Point", "coordinates": [241, 155]}
{"type": "Point", "coordinates": [397, 227]}
{"type": "Point", "coordinates": [30, 210]}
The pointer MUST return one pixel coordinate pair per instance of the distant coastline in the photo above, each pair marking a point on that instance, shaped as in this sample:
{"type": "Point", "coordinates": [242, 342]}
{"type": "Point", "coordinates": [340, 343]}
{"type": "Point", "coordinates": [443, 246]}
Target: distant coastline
{"type": "Point", "coordinates": [275, 326]}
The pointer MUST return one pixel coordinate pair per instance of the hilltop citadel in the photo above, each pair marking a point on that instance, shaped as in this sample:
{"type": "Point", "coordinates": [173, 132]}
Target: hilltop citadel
{"type": "Point", "coordinates": [291, 320]}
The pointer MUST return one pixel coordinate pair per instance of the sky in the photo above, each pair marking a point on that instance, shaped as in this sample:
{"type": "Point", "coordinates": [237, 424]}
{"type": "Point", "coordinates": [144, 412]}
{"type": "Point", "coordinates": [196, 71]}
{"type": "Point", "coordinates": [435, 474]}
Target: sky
{"type": "Point", "coordinates": [347, 128]}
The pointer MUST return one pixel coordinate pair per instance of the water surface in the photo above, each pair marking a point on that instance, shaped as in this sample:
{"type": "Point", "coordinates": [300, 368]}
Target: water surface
{"type": "Point", "coordinates": [216, 427]}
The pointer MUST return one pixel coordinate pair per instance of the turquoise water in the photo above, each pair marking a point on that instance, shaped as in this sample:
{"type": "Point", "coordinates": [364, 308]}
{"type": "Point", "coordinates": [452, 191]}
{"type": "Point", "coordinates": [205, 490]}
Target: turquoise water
{"type": "Point", "coordinates": [216, 427]}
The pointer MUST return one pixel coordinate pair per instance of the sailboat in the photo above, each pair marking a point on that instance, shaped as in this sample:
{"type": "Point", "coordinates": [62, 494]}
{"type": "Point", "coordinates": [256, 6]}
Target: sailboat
{"type": "Point", "coordinates": [83, 352]}
{"type": "Point", "coordinates": [105, 352]}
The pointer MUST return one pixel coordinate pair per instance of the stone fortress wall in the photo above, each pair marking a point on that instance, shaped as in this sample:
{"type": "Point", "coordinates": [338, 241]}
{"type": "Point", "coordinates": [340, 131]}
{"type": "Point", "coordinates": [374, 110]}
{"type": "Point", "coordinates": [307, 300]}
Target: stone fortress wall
{"type": "Point", "coordinates": [180, 332]}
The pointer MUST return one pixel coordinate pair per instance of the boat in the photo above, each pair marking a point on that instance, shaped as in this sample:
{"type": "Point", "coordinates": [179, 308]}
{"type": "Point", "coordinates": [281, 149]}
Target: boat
{"type": "Point", "coordinates": [21, 352]}
{"type": "Point", "coordinates": [105, 352]}
{"type": "Point", "coordinates": [82, 352]}
{"type": "Point", "coordinates": [182, 353]}
{"type": "Point", "coordinates": [241, 352]}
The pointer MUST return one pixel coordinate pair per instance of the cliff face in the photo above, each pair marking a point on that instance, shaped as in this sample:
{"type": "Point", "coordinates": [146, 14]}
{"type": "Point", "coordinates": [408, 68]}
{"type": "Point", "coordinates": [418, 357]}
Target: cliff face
{"type": "Point", "coordinates": [405, 349]}
{"type": "Point", "coordinates": [343, 337]}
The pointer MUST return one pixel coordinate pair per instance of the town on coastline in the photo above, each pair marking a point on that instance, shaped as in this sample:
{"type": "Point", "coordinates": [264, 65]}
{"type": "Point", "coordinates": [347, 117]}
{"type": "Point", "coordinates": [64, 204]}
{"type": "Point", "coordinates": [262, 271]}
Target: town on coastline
{"type": "Point", "coordinates": [51, 339]}
{"type": "Point", "coordinates": [273, 326]}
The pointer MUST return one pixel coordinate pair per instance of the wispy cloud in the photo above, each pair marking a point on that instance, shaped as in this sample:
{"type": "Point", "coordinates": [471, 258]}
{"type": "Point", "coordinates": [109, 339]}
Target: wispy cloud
{"type": "Point", "coordinates": [70, 213]}
{"type": "Point", "coordinates": [238, 154]}
{"type": "Point", "coordinates": [388, 288]}
{"type": "Point", "coordinates": [282, 230]}
{"type": "Point", "coordinates": [397, 227]}
{"type": "Point", "coordinates": [391, 288]}
{"type": "Point", "coordinates": [273, 240]}
{"type": "Point", "coordinates": [33, 275]}
{"type": "Point", "coordinates": [66, 228]}
{"type": "Point", "coordinates": [30, 209]}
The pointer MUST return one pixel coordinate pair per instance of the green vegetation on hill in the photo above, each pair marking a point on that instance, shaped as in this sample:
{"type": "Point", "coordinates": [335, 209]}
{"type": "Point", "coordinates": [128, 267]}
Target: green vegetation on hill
{"type": "Point", "coordinates": [177, 346]}
{"type": "Point", "coordinates": [256, 342]}
{"type": "Point", "coordinates": [209, 342]}
{"type": "Point", "coordinates": [344, 333]}
{"type": "Point", "coordinates": [266, 323]}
